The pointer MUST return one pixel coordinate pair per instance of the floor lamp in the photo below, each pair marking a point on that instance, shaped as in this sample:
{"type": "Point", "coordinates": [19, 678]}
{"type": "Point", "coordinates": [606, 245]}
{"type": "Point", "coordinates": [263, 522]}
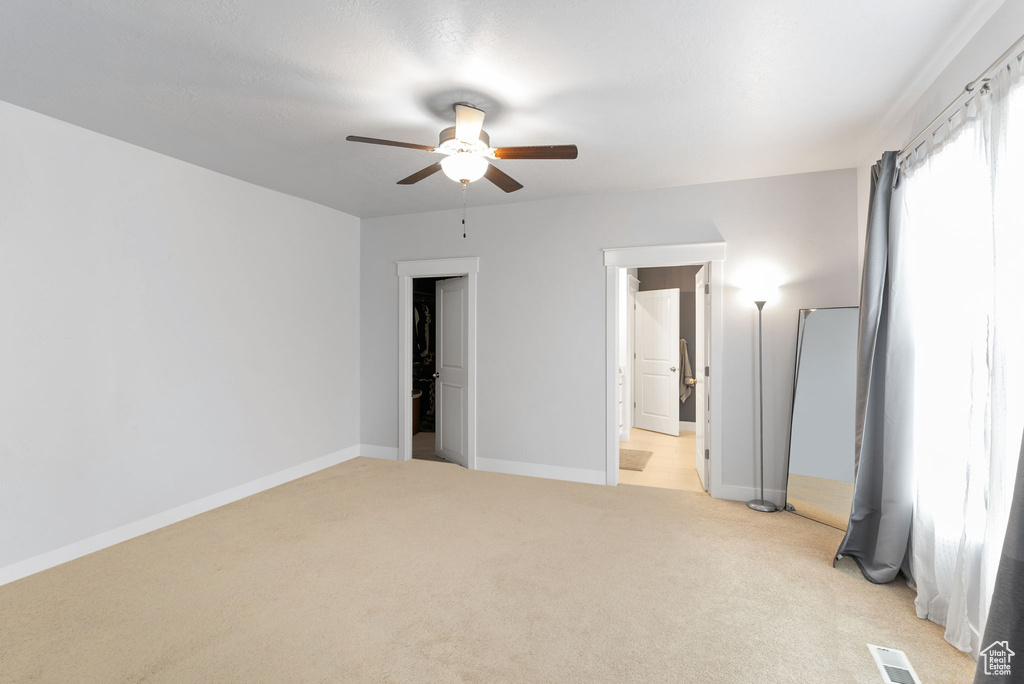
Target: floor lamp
{"type": "Point", "coordinates": [761, 504]}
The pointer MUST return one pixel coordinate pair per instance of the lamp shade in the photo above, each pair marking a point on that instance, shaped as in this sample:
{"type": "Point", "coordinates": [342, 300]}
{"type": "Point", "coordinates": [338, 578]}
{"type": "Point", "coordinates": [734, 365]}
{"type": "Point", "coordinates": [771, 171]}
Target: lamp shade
{"type": "Point", "coordinates": [759, 281]}
{"type": "Point", "coordinates": [463, 166]}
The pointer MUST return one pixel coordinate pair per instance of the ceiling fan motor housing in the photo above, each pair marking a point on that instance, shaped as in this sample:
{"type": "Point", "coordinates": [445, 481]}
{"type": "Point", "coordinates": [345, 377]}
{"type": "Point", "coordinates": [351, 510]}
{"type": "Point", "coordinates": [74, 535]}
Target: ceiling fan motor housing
{"type": "Point", "coordinates": [448, 136]}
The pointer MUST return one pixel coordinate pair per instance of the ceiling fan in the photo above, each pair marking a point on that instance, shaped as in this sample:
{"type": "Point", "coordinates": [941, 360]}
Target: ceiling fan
{"type": "Point", "coordinates": [467, 149]}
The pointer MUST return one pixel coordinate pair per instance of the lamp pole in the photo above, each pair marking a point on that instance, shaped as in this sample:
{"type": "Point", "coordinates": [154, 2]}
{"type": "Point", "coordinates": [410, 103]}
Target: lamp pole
{"type": "Point", "coordinates": [761, 504]}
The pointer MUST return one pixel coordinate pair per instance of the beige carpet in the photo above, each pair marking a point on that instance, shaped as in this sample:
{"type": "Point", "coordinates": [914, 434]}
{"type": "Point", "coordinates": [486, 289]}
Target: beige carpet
{"type": "Point", "coordinates": [634, 459]}
{"type": "Point", "coordinates": [377, 571]}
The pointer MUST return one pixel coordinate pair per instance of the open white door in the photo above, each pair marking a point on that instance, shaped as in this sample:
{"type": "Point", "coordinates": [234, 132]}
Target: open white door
{"type": "Point", "coordinates": [450, 379]}
{"type": "Point", "coordinates": [701, 344]}
{"type": "Point", "coordinates": [656, 367]}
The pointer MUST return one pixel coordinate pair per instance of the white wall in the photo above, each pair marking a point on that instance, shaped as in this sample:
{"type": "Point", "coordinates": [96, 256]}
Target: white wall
{"type": "Point", "coordinates": [167, 333]}
{"type": "Point", "coordinates": [995, 37]}
{"type": "Point", "coordinates": [541, 307]}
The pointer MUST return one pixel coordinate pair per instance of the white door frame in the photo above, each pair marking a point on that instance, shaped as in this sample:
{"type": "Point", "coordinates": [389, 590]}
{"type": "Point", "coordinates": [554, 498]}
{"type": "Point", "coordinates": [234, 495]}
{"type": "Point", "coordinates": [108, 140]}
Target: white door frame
{"type": "Point", "coordinates": [433, 268]}
{"type": "Point", "coordinates": [632, 287]}
{"type": "Point", "coordinates": [711, 253]}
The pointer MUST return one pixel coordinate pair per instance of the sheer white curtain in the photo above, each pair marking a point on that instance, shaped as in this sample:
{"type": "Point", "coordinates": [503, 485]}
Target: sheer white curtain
{"type": "Point", "coordinates": [958, 320]}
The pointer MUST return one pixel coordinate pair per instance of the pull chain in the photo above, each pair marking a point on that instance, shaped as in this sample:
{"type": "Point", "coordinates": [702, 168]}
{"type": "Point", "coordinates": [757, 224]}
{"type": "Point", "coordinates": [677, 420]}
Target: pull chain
{"type": "Point", "coordinates": [464, 184]}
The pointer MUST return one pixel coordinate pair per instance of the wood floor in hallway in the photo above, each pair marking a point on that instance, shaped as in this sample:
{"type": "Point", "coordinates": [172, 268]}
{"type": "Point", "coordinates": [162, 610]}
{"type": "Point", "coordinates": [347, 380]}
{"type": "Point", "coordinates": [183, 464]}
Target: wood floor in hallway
{"type": "Point", "coordinates": [671, 467]}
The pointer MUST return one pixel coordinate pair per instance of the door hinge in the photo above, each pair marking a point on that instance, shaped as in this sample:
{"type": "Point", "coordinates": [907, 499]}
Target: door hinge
{"type": "Point", "coordinates": [707, 454]}
{"type": "Point", "coordinates": [634, 404]}
{"type": "Point", "coordinates": [707, 371]}
{"type": "Point", "coordinates": [707, 288]}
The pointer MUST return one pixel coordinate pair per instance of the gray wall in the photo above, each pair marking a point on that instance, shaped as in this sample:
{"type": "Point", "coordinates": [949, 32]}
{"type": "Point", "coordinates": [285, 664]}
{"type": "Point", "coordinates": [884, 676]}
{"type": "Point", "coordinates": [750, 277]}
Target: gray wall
{"type": "Point", "coordinates": [168, 333]}
{"type": "Point", "coordinates": [541, 338]}
{"type": "Point", "coordinates": [681, 277]}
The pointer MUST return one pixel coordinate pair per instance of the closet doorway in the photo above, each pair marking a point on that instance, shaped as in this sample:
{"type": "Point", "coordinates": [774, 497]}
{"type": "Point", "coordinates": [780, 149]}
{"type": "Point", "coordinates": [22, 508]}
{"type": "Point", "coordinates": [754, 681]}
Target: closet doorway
{"type": "Point", "coordinates": [437, 362]}
{"type": "Point", "coordinates": [426, 407]}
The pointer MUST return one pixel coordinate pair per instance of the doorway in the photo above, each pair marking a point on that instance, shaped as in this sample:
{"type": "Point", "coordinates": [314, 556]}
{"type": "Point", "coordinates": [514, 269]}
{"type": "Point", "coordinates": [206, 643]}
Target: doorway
{"type": "Point", "coordinates": [424, 365]}
{"type": "Point", "coordinates": [446, 368]}
{"type": "Point", "coordinates": [701, 447]}
{"type": "Point", "coordinates": [661, 444]}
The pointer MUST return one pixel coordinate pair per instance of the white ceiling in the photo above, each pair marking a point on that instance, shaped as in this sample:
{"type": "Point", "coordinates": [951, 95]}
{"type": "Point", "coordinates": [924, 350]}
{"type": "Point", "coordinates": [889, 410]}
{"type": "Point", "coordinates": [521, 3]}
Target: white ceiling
{"type": "Point", "coordinates": [656, 93]}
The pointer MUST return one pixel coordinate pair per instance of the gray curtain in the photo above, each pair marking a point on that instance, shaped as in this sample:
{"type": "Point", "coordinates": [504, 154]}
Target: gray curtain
{"type": "Point", "coordinates": [1006, 615]}
{"type": "Point", "coordinates": [878, 534]}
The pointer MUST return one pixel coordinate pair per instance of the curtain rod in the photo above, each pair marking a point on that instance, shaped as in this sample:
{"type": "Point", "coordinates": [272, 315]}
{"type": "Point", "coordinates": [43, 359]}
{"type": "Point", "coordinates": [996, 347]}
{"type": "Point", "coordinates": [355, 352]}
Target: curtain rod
{"type": "Point", "coordinates": [969, 88]}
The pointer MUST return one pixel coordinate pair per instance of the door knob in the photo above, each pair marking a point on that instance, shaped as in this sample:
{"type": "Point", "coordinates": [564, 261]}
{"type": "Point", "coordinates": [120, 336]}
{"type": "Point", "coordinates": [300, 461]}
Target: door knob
{"type": "Point", "coordinates": [437, 375]}
{"type": "Point", "coordinates": [673, 369]}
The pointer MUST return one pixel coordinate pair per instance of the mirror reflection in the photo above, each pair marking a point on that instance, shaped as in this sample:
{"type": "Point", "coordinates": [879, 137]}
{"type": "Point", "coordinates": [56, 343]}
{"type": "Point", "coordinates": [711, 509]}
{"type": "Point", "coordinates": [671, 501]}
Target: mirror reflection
{"type": "Point", "coordinates": [821, 448]}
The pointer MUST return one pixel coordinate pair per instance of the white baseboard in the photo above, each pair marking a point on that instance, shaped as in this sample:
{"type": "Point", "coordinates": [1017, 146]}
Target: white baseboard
{"type": "Point", "coordinates": [744, 493]}
{"type": "Point", "coordinates": [373, 451]}
{"type": "Point", "coordinates": [688, 425]}
{"type": "Point", "coordinates": [81, 548]}
{"type": "Point", "coordinates": [497, 465]}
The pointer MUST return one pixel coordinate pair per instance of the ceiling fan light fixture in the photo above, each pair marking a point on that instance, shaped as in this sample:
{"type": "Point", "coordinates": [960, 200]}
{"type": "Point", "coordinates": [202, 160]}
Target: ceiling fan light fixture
{"type": "Point", "coordinates": [464, 166]}
{"type": "Point", "coordinates": [467, 147]}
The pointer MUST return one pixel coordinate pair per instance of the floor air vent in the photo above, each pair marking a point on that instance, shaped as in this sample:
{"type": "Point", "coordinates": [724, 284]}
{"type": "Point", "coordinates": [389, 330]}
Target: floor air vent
{"type": "Point", "coordinates": [893, 665]}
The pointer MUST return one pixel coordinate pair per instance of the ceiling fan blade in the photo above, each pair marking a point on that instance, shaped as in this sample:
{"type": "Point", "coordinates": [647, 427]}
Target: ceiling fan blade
{"type": "Point", "coordinates": [537, 152]}
{"type": "Point", "coordinates": [468, 123]}
{"type": "Point", "coordinates": [501, 179]}
{"type": "Point", "coordinates": [421, 174]}
{"type": "Point", "coordinates": [390, 143]}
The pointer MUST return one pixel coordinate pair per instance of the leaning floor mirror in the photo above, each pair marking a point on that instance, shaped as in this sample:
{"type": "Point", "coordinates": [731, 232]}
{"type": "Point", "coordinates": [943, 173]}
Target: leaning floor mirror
{"type": "Point", "coordinates": [821, 441]}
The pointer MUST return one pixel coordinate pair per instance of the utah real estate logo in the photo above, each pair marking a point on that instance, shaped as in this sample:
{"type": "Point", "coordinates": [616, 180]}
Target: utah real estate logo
{"type": "Point", "coordinates": [997, 657]}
